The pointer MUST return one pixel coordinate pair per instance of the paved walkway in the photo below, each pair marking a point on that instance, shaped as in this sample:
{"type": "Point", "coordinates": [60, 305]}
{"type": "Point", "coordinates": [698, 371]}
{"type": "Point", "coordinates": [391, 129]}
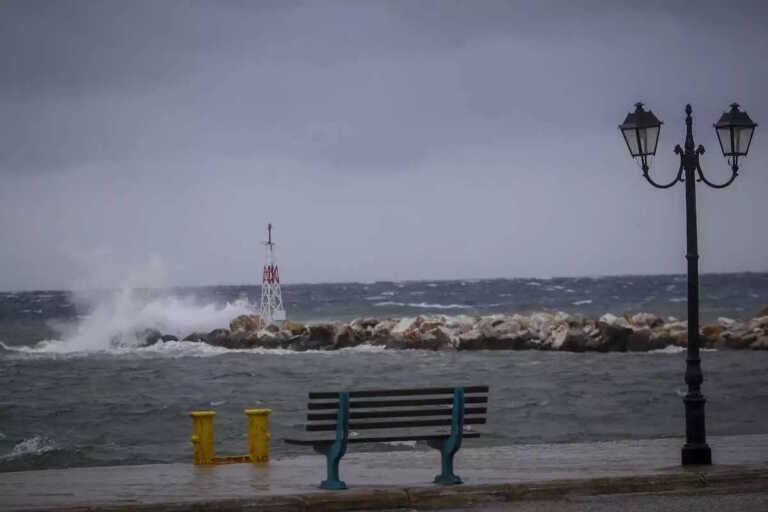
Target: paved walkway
{"type": "Point", "coordinates": [386, 479]}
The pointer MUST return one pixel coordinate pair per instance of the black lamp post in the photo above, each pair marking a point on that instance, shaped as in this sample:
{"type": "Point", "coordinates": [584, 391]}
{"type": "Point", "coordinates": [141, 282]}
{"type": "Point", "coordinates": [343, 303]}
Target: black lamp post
{"type": "Point", "coordinates": [641, 133]}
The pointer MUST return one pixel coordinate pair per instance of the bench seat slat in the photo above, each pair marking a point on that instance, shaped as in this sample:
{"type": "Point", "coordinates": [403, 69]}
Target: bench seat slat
{"type": "Point", "coordinates": [379, 439]}
{"type": "Point", "coordinates": [369, 393]}
{"type": "Point", "coordinates": [389, 413]}
{"type": "Point", "coordinates": [416, 402]}
{"type": "Point", "coordinates": [394, 424]}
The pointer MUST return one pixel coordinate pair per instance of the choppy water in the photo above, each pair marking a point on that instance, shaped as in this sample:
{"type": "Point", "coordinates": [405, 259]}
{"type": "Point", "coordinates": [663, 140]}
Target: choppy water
{"type": "Point", "coordinates": [75, 390]}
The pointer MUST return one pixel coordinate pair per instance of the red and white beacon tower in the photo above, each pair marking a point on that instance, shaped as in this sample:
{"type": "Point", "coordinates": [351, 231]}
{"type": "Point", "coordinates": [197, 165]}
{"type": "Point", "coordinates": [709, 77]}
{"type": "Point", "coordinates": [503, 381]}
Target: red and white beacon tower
{"type": "Point", "coordinates": [271, 310]}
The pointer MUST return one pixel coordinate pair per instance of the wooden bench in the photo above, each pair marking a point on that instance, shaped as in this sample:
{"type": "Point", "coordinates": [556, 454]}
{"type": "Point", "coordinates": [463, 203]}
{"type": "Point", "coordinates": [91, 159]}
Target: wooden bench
{"type": "Point", "coordinates": [435, 415]}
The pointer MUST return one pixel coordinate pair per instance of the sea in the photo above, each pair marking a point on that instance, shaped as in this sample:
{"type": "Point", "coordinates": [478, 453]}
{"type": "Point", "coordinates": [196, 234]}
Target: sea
{"type": "Point", "coordinates": [76, 389]}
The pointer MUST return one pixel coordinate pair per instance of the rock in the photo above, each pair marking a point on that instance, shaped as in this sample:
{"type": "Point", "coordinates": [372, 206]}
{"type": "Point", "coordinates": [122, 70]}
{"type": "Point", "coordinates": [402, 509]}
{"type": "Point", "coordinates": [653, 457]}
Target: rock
{"type": "Point", "coordinates": [575, 341]}
{"type": "Point", "coordinates": [271, 328]}
{"type": "Point", "coordinates": [760, 322]}
{"type": "Point", "coordinates": [238, 340]}
{"type": "Point", "coordinates": [590, 327]}
{"type": "Point", "coordinates": [565, 338]}
{"type": "Point", "coordinates": [245, 323]}
{"type": "Point", "coordinates": [323, 333]}
{"type": "Point", "coordinates": [169, 337]}
{"type": "Point", "coordinates": [676, 329]}
{"type": "Point", "coordinates": [712, 331]}
{"type": "Point", "coordinates": [405, 324]}
{"type": "Point", "coordinates": [613, 336]}
{"type": "Point", "coordinates": [726, 322]}
{"type": "Point", "coordinates": [578, 321]}
{"type": "Point", "coordinates": [149, 336]}
{"type": "Point", "coordinates": [646, 320]}
{"type": "Point", "coordinates": [471, 340]}
{"type": "Point", "coordinates": [508, 334]}
{"type": "Point", "coordinates": [449, 339]}
{"type": "Point", "coordinates": [196, 337]}
{"type": "Point", "coordinates": [762, 312]}
{"type": "Point", "coordinates": [738, 340]}
{"type": "Point", "coordinates": [460, 323]}
{"type": "Point", "coordinates": [294, 328]}
{"type": "Point", "coordinates": [415, 339]}
{"type": "Point", "coordinates": [613, 320]}
{"type": "Point", "coordinates": [661, 340]}
{"type": "Point", "coordinates": [368, 323]}
{"type": "Point", "coordinates": [760, 344]}
{"type": "Point", "coordinates": [431, 323]}
{"type": "Point", "coordinates": [542, 324]}
{"type": "Point", "coordinates": [218, 337]}
{"type": "Point", "coordinates": [710, 334]}
{"type": "Point", "coordinates": [260, 339]}
{"type": "Point", "coordinates": [364, 334]}
{"type": "Point", "coordinates": [346, 337]}
{"type": "Point", "coordinates": [476, 340]}
{"type": "Point", "coordinates": [303, 342]}
{"type": "Point", "coordinates": [642, 340]}
{"type": "Point", "coordinates": [431, 334]}
{"type": "Point", "coordinates": [487, 323]}
{"type": "Point", "coordinates": [383, 330]}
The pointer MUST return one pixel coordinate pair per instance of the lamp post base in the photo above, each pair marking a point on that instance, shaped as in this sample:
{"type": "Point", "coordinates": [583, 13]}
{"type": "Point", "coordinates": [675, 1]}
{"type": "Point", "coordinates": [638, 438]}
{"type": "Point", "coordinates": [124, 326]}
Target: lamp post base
{"type": "Point", "coordinates": [696, 454]}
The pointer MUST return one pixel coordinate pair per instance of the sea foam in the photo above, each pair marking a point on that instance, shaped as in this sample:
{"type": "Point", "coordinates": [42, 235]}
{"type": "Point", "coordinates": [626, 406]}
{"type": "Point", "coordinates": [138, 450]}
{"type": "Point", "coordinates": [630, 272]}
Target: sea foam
{"type": "Point", "coordinates": [36, 445]}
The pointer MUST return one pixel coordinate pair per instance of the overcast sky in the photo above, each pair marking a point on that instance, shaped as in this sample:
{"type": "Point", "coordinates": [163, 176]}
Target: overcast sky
{"type": "Point", "coordinates": [384, 140]}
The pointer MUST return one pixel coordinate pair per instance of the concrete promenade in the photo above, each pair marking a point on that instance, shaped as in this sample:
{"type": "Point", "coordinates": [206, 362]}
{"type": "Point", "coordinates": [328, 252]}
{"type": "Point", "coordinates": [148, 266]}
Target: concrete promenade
{"type": "Point", "coordinates": [402, 479]}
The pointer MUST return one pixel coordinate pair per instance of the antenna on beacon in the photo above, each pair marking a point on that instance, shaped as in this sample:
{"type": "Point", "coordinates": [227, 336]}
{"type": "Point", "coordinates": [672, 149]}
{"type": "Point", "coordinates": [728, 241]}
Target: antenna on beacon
{"type": "Point", "coordinates": [271, 309]}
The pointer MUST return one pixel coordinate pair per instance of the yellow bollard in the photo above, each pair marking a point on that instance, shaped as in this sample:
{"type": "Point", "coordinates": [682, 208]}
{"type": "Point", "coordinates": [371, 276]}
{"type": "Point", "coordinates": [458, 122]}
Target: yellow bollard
{"type": "Point", "coordinates": [202, 438]}
{"type": "Point", "coordinates": [258, 434]}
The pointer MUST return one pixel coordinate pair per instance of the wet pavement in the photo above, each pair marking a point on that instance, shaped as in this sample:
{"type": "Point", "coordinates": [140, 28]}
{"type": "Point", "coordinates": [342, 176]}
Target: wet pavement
{"type": "Point", "coordinates": [409, 470]}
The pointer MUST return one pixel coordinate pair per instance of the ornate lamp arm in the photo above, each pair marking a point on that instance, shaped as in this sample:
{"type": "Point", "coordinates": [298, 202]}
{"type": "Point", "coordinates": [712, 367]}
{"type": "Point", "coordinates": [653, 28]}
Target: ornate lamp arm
{"type": "Point", "coordinates": [734, 173]}
{"type": "Point", "coordinates": [679, 176]}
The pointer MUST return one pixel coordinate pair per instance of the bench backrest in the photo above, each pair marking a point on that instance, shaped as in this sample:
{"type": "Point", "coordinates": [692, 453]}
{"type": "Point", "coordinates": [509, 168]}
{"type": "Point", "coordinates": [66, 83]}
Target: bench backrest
{"type": "Point", "coordinates": [422, 409]}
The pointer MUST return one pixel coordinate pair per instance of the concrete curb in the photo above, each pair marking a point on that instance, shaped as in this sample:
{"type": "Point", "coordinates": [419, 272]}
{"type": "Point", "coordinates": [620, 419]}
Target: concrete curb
{"type": "Point", "coordinates": [367, 498]}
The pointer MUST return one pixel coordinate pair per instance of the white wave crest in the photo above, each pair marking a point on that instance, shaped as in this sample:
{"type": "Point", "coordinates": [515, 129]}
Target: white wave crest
{"type": "Point", "coordinates": [423, 305]}
{"type": "Point", "coordinates": [33, 446]}
{"type": "Point", "coordinates": [669, 349]}
{"type": "Point", "coordinates": [409, 444]}
{"type": "Point", "coordinates": [179, 349]}
{"type": "Point", "coordinates": [674, 349]}
{"type": "Point", "coordinates": [582, 302]}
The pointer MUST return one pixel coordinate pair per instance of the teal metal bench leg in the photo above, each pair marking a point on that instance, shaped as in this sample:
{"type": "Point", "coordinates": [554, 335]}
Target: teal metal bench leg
{"type": "Point", "coordinates": [334, 452]}
{"type": "Point", "coordinates": [447, 476]}
{"type": "Point", "coordinates": [451, 445]}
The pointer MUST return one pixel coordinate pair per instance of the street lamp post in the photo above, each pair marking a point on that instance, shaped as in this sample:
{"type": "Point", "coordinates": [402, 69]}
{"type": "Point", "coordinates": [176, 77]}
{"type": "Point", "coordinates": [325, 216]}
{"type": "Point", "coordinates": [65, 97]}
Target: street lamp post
{"type": "Point", "coordinates": [641, 133]}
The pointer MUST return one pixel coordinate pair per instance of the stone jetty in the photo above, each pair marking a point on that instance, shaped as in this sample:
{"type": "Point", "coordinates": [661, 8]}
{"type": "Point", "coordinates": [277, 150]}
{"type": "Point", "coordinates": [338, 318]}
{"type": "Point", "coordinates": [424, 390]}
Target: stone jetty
{"type": "Point", "coordinates": [535, 331]}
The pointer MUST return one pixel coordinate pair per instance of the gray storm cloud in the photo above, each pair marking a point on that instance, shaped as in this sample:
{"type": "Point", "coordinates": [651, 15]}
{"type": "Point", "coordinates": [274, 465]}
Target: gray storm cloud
{"type": "Point", "coordinates": [384, 140]}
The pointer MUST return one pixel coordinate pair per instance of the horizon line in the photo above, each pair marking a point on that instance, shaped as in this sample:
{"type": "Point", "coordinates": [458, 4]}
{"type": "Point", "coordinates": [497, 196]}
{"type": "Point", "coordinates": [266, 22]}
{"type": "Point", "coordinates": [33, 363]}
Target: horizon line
{"type": "Point", "coordinates": [371, 282]}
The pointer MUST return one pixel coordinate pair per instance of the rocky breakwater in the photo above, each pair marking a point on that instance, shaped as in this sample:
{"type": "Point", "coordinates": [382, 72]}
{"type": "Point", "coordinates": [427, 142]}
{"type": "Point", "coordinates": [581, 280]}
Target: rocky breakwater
{"type": "Point", "coordinates": [536, 331]}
